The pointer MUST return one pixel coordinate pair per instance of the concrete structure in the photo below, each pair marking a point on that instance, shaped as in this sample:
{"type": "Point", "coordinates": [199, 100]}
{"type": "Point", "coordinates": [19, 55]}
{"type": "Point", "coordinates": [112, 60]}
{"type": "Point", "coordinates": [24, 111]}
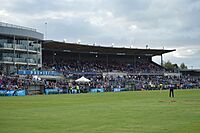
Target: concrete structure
{"type": "Point", "coordinates": [20, 48]}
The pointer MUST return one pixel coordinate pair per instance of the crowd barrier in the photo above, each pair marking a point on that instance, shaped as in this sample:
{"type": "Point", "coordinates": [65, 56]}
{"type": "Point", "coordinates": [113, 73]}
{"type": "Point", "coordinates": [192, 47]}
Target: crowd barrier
{"type": "Point", "coordinates": [95, 90]}
{"type": "Point", "coordinates": [118, 89]}
{"type": "Point", "coordinates": [74, 91]}
{"type": "Point", "coordinates": [12, 93]}
{"type": "Point", "coordinates": [53, 91]}
{"type": "Point", "coordinates": [3, 92]}
{"type": "Point", "coordinates": [60, 91]}
{"type": "Point", "coordinates": [20, 93]}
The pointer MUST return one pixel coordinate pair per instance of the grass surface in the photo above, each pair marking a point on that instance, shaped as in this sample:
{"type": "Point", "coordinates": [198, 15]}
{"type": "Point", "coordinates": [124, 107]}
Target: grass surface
{"type": "Point", "coordinates": [124, 112]}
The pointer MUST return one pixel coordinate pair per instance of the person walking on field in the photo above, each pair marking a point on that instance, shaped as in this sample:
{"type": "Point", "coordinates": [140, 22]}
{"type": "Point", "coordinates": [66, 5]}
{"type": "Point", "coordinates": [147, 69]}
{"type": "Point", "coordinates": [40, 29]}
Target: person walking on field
{"type": "Point", "coordinates": [171, 90]}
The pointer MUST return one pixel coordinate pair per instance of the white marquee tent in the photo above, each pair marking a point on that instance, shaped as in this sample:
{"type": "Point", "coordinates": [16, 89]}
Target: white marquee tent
{"type": "Point", "coordinates": [82, 80]}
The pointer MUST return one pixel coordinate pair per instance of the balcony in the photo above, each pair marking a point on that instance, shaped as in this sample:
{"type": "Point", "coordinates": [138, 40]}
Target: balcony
{"type": "Point", "coordinates": [7, 46]}
{"type": "Point", "coordinates": [34, 48]}
{"type": "Point", "coordinates": [31, 61]}
{"type": "Point", "coordinates": [8, 59]}
{"type": "Point", "coordinates": [20, 61]}
{"type": "Point", "coordinates": [20, 47]}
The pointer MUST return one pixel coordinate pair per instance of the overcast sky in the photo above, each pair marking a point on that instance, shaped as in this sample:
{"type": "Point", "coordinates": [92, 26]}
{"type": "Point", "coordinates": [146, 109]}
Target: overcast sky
{"type": "Point", "coordinates": [172, 24]}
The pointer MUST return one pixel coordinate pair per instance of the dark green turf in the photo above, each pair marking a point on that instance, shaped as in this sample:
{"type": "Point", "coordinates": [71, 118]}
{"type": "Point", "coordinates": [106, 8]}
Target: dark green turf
{"type": "Point", "coordinates": [124, 112]}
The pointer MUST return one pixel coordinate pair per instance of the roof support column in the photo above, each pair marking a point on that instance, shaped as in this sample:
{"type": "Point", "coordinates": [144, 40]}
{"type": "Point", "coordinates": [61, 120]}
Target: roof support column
{"type": "Point", "coordinates": [107, 62]}
{"type": "Point", "coordinates": [161, 63]}
{"type": "Point", "coordinates": [37, 56]}
{"type": "Point", "coordinates": [79, 58]}
{"type": "Point", "coordinates": [28, 59]}
{"type": "Point", "coordinates": [54, 58]}
{"type": "Point", "coordinates": [134, 65]}
{"type": "Point", "coordinates": [14, 54]}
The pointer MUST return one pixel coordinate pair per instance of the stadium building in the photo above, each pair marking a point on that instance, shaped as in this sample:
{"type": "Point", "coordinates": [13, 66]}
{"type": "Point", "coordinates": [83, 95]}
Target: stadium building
{"type": "Point", "coordinates": [23, 48]}
{"type": "Point", "coordinates": [52, 67]}
{"type": "Point", "coordinates": [20, 48]}
{"type": "Point", "coordinates": [80, 59]}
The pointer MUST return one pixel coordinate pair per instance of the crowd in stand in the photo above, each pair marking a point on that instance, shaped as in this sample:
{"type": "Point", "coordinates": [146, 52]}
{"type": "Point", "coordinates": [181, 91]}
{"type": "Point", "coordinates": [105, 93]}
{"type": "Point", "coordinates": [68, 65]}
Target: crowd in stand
{"type": "Point", "coordinates": [108, 83]}
{"type": "Point", "coordinates": [15, 82]}
{"type": "Point", "coordinates": [157, 82]}
{"type": "Point", "coordinates": [102, 66]}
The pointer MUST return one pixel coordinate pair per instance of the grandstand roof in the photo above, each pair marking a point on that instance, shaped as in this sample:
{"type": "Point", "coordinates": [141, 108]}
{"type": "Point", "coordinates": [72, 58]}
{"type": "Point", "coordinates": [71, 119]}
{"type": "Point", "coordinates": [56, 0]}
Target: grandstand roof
{"type": "Point", "coordinates": [82, 48]}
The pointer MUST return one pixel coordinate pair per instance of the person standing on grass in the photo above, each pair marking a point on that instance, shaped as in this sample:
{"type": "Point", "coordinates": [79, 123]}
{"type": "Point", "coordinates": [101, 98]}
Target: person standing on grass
{"type": "Point", "coordinates": [171, 90]}
{"type": "Point", "coordinates": [70, 89]}
{"type": "Point", "coordinates": [77, 89]}
{"type": "Point", "coordinates": [161, 87]}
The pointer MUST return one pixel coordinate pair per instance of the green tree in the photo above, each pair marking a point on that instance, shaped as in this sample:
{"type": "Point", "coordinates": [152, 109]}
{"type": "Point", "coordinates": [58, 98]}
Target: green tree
{"type": "Point", "coordinates": [175, 66]}
{"type": "Point", "coordinates": [183, 66]}
{"type": "Point", "coordinates": [168, 65]}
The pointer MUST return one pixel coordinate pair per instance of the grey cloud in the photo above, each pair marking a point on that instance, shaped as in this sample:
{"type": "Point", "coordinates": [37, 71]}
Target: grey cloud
{"type": "Point", "coordinates": [179, 19]}
{"type": "Point", "coordinates": [41, 6]}
{"type": "Point", "coordinates": [72, 30]}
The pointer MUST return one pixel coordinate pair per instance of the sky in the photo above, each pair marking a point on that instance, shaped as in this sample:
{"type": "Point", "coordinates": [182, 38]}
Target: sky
{"type": "Point", "coordinates": [168, 24]}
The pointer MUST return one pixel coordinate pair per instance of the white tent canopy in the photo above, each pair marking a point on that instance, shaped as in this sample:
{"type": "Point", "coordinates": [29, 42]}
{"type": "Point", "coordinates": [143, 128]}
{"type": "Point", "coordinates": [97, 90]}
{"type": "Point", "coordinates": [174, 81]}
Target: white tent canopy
{"type": "Point", "coordinates": [82, 80]}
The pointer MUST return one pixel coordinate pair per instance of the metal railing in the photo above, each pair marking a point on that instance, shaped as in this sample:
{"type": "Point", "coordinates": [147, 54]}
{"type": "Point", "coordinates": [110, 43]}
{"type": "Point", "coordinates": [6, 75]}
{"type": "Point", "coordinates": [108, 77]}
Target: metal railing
{"type": "Point", "coordinates": [19, 60]}
{"type": "Point", "coordinates": [20, 47]}
{"type": "Point", "coordinates": [6, 45]}
{"type": "Point", "coordinates": [16, 26]}
{"type": "Point", "coordinates": [31, 61]}
{"type": "Point", "coordinates": [22, 60]}
{"type": "Point", "coordinates": [9, 59]}
{"type": "Point", "coordinates": [34, 47]}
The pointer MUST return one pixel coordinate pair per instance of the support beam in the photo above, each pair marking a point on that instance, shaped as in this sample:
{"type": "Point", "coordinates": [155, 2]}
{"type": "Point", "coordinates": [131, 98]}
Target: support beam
{"type": "Point", "coordinates": [107, 62]}
{"type": "Point", "coordinates": [161, 60]}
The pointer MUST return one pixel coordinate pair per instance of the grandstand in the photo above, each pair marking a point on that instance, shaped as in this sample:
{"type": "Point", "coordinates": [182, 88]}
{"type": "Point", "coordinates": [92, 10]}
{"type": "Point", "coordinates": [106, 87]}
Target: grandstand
{"type": "Point", "coordinates": [191, 72]}
{"type": "Point", "coordinates": [79, 58]}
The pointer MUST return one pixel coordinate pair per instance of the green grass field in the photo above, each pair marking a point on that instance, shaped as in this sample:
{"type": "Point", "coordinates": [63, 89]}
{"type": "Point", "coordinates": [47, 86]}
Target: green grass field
{"type": "Point", "coordinates": [124, 112]}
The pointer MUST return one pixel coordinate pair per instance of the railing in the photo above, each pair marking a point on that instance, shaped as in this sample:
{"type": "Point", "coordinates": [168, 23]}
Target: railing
{"type": "Point", "coordinates": [20, 47]}
{"type": "Point", "coordinates": [21, 60]}
{"type": "Point", "coordinates": [9, 59]}
{"type": "Point", "coordinates": [16, 26]}
{"type": "Point", "coordinates": [6, 45]}
{"type": "Point", "coordinates": [34, 47]}
{"type": "Point", "coordinates": [31, 61]}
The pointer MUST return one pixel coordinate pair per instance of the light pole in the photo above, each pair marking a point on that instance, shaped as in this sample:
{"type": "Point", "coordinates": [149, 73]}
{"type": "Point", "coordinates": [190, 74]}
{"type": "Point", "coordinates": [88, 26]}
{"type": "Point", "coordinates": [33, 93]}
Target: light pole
{"type": "Point", "coordinates": [45, 32]}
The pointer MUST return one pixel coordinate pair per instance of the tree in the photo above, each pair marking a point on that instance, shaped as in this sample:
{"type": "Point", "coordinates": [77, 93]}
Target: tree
{"type": "Point", "coordinates": [183, 66]}
{"type": "Point", "coordinates": [168, 65]}
{"type": "Point", "coordinates": [175, 66]}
